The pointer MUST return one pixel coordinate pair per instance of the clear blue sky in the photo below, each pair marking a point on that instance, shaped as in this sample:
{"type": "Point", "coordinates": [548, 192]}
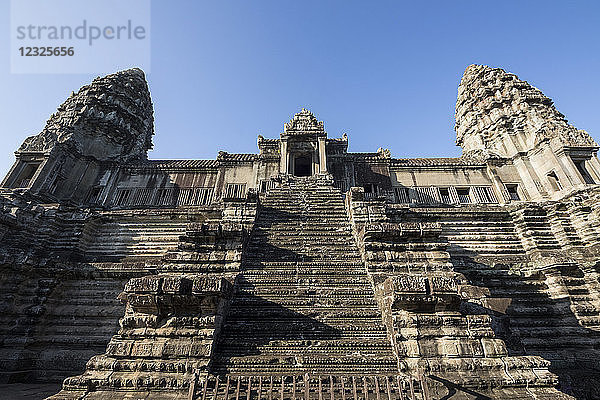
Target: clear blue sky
{"type": "Point", "coordinates": [384, 72]}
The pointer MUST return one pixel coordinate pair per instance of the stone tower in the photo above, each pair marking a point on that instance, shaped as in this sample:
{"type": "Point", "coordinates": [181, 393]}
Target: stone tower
{"type": "Point", "coordinates": [110, 120]}
{"type": "Point", "coordinates": [500, 116]}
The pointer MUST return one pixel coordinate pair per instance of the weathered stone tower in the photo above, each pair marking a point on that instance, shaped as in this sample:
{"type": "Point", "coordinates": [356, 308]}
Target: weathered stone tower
{"type": "Point", "coordinates": [304, 270]}
{"type": "Point", "coordinates": [111, 120]}
{"type": "Point", "coordinates": [500, 116]}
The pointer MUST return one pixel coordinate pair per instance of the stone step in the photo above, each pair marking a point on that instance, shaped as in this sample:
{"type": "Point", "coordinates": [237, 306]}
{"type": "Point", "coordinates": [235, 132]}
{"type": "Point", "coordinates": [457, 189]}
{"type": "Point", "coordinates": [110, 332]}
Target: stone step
{"type": "Point", "coordinates": [304, 283]}
{"type": "Point", "coordinates": [300, 364]}
{"type": "Point", "coordinates": [316, 303]}
{"type": "Point", "coordinates": [551, 332]}
{"type": "Point", "coordinates": [317, 269]}
{"type": "Point", "coordinates": [533, 344]}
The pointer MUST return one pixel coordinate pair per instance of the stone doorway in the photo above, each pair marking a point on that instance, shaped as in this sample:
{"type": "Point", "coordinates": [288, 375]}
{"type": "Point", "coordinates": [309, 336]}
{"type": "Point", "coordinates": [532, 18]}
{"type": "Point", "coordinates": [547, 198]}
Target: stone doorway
{"type": "Point", "coordinates": [302, 166]}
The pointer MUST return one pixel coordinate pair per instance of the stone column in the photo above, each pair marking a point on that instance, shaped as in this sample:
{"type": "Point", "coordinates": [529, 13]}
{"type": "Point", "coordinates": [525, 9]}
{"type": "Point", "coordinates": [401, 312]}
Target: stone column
{"type": "Point", "coordinates": [283, 166]}
{"type": "Point", "coordinates": [568, 168]}
{"type": "Point", "coordinates": [322, 156]}
{"type": "Point", "coordinates": [529, 177]}
{"type": "Point", "coordinates": [497, 185]}
{"type": "Point", "coordinates": [595, 168]}
{"type": "Point", "coordinates": [11, 177]}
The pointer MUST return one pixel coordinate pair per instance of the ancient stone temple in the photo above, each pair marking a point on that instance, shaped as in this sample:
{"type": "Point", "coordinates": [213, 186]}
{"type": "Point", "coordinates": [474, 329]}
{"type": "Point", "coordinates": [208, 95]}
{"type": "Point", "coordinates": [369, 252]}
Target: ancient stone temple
{"type": "Point", "coordinates": [304, 270]}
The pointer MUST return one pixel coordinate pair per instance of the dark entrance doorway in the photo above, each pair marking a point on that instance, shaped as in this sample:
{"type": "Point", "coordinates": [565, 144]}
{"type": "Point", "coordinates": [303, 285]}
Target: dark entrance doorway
{"type": "Point", "coordinates": [302, 166]}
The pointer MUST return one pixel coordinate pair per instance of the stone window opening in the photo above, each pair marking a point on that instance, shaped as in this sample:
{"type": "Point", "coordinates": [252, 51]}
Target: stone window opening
{"type": "Point", "coordinates": [340, 185]}
{"type": "Point", "coordinates": [371, 191]}
{"type": "Point", "coordinates": [426, 195]}
{"type": "Point", "coordinates": [484, 194]}
{"type": "Point", "coordinates": [95, 193]}
{"type": "Point", "coordinates": [266, 185]}
{"type": "Point", "coordinates": [122, 197]}
{"type": "Point", "coordinates": [464, 195]}
{"type": "Point", "coordinates": [402, 195]}
{"type": "Point", "coordinates": [513, 192]}
{"type": "Point", "coordinates": [445, 195]}
{"type": "Point", "coordinates": [235, 191]}
{"type": "Point", "coordinates": [203, 196]}
{"type": "Point", "coordinates": [580, 165]}
{"type": "Point", "coordinates": [162, 197]}
{"type": "Point", "coordinates": [27, 173]}
{"type": "Point", "coordinates": [54, 184]}
{"type": "Point", "coordinates": [554, 181]}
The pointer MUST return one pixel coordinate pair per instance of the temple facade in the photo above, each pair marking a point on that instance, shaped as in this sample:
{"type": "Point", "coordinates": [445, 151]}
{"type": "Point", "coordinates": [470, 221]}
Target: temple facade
{"type": "Point", "coordinates": [304, 269]}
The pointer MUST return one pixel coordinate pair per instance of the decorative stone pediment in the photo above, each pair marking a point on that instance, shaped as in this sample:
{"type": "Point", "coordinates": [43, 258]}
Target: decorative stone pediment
{"type": "Point", "coordinates": [304, 123]}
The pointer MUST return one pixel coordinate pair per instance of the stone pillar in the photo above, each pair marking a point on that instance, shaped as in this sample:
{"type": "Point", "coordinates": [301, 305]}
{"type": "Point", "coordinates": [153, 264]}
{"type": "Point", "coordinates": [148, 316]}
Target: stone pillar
{"type": "Point", "coordinates": [11, 177]}
{"type": "Point", "coordinates": [283, 166]}
{"type": "Point", "coordinates": [568, 168]}
{"type": "Point", "coordinates": [497, 185]}
{"type": "Point", "coordinates": [322, 156]}
{"type": "Point", "coordinates": [594, 169]}
{"type": "Point", "coordinates": [529, 177]}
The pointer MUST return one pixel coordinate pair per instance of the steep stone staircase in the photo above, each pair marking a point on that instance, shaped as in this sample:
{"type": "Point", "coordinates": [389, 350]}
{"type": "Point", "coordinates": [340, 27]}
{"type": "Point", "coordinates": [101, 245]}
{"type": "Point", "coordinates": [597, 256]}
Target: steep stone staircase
{"type": "Point", "coordinates": [69, 333]}
{"type": "Point", "coordinates": [46, 337]}
{"type": "Point", "coordinates": [549, 313]}
{"type": "Point", "coordinates": [488, 232]}
{"type": "Point", "coordinates": [120, 237]}
{"type": "Point", "coordinates": [303, 302]}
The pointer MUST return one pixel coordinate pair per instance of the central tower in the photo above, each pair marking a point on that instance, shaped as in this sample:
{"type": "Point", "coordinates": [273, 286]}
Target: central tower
{"type": "Point", "coordinates": [303, 146]}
